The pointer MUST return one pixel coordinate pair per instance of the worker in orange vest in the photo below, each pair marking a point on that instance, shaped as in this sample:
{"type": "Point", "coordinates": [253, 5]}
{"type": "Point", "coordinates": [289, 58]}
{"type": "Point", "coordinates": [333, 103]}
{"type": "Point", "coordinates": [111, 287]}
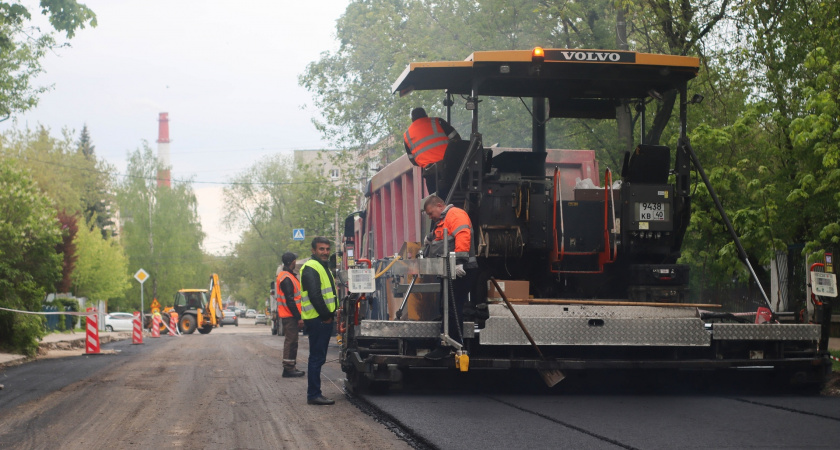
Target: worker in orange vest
{"type": "Point", "coordinates": [459, 238]}
{"type": "Point", "coordinates": [288, 309]}
{"type": "Point", "coordinates": [427, 137]}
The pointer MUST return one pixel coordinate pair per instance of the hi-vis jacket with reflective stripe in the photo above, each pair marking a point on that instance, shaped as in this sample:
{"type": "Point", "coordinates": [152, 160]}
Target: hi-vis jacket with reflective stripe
{"type": "Point", "coordinates": [325, 291]}
{"type": "Point", "coordinates": [426, 140]}
{"type": "Point", "coordinates": [459, 234]}
{"type": "Point", "coordinates": [282, 302]}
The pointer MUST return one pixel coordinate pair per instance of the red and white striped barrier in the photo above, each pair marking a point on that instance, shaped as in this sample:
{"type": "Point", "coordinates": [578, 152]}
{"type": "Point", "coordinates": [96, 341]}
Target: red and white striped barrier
{"type": "Point", "coordinates": [173, 331]}
{"type": "Point", "coordinates": [137, 334]}
{"type": "Point", "coordinates": [173, 325]}
{"type": "Point", "coordinates": [156, 326]}
{"type": "Point", "coordinates": [834, 358]}
{"type": "Point", "coordinates": [92, 337]}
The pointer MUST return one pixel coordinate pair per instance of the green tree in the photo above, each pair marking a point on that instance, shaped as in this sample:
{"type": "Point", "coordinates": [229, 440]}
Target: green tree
{"type": "Point", "coordinates": [29, 265]}
{"type": "Point", "coordinates": [78, 184]}
{"type": "Point", "coordinates": [23, 45]}
{"type": "Point", "coordinates": [767, 138]}
{"type": "Point", "coordinates": [379, 38]}
{"type": "Point", "coordinates": [162, 233]}
{"type": "Point", "coordinates": [67, 248]}
{"type": "Point", "coordinates": [268, 201]}
{"type": "Point", "coordinates": [97, 196]}
{"type": "Point", "coordinates": [101, 268]}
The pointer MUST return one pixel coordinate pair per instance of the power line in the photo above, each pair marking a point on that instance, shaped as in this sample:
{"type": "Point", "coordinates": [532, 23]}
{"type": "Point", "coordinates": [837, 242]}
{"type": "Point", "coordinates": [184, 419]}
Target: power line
{"type": "Point", "coordinates": [225, 183]}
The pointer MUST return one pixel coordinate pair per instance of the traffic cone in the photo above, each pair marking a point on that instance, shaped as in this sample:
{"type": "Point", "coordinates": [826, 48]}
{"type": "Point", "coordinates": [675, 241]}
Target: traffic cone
{"type": "Point", "coordinates": [92, 337]}
{"type": "Point", "coordinates": [137, 334]}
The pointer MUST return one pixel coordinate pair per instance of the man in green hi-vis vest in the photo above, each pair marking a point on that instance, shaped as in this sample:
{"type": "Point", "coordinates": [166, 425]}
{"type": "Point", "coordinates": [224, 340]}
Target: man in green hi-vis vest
{"type": "Point", "coordinates": [318, 304]}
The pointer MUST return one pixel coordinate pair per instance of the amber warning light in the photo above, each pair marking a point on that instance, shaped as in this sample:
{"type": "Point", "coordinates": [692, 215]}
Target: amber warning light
{"type": "Point", "coordinates": [538, 54]}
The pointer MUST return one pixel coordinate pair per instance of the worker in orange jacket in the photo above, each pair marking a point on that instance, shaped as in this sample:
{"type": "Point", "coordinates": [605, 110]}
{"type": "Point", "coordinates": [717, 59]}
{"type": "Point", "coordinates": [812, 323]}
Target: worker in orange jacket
{"type": "Point", "coordinates": [427, 137]}
{"type": "Point", "coordinates": [288, 309]}
{"type": "Point", "coordinates": [458, 235]}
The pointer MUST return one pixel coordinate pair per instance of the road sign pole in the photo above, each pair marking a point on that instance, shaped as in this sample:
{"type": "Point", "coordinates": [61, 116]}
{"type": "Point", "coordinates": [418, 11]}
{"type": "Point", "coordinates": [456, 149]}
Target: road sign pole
{"type": "Point", "coordinates": [141, 276]}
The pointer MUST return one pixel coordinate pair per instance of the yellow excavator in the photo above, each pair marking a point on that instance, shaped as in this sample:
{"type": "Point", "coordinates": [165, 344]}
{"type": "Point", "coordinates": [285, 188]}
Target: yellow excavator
{"type": "Point", "coordinates": [199, 309]}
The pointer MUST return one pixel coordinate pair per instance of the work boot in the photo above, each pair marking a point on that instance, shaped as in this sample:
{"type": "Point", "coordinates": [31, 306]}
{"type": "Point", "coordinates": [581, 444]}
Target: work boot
{"type": "Point", "coordinates": [320, 401]}
{"type": "Point", "coordinates": [293, 373]}
{"type": "Point", "coordinates": [438, 354]}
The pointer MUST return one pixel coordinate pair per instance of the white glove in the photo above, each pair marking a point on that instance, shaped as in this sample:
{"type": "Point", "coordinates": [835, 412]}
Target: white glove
{"type": "Point", "coordinates": [427, 240]}
{"type": "Point", "coordinates": [459, 270]}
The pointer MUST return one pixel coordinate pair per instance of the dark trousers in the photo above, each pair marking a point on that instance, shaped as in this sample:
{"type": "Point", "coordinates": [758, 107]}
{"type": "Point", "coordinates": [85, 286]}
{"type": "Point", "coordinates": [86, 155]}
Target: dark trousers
{"type": "Point", "coordinates": [461, 292]}
{"type": "Point", "coordinates": [290, 344]}
{"type": "Point", "coordinates": [319, 341]}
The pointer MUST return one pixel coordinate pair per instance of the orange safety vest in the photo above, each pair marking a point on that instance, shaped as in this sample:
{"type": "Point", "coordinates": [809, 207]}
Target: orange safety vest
{"type": "Point", "coordinates": [282, 308]}
{"type": "Point", "coordinates": [426, 140]}
{"type": "Point", "coordinates": [459, 231]}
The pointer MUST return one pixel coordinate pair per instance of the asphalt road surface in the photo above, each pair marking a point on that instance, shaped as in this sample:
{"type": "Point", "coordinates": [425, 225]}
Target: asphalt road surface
{"type": "Point", "coordinates": [224, 390]}
{"type": "Point", "coordinates": [610, 410]}
{"type": "Point", "coordinates": [221, 390]}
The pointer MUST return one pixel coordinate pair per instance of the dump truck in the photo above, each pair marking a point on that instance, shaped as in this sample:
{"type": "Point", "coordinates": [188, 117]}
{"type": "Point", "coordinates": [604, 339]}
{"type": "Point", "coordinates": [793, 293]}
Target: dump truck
{"type": "Point", "coordinates": [573, 275]}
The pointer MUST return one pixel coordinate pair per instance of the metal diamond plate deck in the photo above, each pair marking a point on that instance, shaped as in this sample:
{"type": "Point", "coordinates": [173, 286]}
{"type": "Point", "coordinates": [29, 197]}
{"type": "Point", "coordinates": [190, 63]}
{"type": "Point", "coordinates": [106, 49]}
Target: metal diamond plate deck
{"type": "Point", "coordinates": [765, 332]}
{"type": "Point", "coordinates": [406, 329]}
{"type": "Point", "coordinates": [588, 331]}
{"type": "Point", "coordinates": [590, 311]}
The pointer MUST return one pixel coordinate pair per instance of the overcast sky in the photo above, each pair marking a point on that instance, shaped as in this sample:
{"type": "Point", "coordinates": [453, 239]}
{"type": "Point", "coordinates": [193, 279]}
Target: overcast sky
{"type": "Point", "coordinates": [225, 71]}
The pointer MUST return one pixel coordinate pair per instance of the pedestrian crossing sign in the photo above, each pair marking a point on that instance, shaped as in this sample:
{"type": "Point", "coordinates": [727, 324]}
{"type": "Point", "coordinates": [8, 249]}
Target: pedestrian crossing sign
{"type": "Point", "coordinates": [298, 234]}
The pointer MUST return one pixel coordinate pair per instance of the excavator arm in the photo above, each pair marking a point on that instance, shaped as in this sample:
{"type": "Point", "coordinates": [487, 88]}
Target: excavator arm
{"type": "Point", "coordinates": [214, 308]}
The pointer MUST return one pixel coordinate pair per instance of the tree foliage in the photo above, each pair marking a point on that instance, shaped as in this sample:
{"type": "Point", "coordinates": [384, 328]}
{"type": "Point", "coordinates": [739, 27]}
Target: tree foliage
{"type": "Point", "coordinates": [23, 45]}
{"type": "Point", "coordinates": [67, 248]}
{"type": "Point", "coordinates": [268, 201]}
{"type": "Point", "coordinates": [29, 265]}
{"type": "Point", "coordinates": [78, 183]}
{"type": "Point", "coordinates": [101, 267]}
{"type": "Point", "coordinates": [161, 233]}
{"type": "Point", "coordinates": [379, 38]}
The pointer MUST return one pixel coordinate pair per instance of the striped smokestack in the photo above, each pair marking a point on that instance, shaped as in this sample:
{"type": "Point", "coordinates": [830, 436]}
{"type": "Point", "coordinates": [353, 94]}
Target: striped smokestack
{"type": "Point", "coordinates": [163, 178]}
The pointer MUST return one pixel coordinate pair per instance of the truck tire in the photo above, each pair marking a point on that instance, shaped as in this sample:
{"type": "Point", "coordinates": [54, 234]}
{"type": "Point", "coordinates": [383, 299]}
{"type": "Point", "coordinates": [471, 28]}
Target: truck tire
{"type": "Point", "coordinates": [188, 324]}
{"type": "Point", "coordinates": [205, 329]}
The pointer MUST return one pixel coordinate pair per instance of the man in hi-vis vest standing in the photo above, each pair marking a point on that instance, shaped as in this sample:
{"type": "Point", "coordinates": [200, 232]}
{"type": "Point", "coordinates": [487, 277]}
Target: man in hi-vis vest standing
{"type": "Point", "coordinates": [318, 304]}
{"type": "Point", "coordinates": [288, 309]}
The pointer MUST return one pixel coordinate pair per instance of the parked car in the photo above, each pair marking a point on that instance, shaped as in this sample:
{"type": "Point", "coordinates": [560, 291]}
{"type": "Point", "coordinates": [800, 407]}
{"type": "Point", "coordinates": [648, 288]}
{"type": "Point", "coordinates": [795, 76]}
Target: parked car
{"type": "Point", "coordinates": [240, 312]}
{"type": "Point", "coordinates": [119, 321]}
{"type": "Point", "coordinates": [251, 313]}
{"type": "Point", "coordinates": [229, 318]}
{"type": "Point", "coordinates": [261, 319]}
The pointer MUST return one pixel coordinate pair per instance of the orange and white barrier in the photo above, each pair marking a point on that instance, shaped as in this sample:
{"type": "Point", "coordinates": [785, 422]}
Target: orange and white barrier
{"type": "Point", "coordinates": [156, 326]}
{"type": "Point", "coordinates": [173, 331]}
{"type": "Point", "coordinates": [173, 325]}
{"type": "Point", "coordinates": [137, 334]}
{"type": "Point", "coordinates": [92, 334]}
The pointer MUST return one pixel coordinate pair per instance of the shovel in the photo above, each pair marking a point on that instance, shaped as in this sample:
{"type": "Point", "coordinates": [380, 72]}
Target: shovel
{"type": "Point", "coordinates": [550, 376]}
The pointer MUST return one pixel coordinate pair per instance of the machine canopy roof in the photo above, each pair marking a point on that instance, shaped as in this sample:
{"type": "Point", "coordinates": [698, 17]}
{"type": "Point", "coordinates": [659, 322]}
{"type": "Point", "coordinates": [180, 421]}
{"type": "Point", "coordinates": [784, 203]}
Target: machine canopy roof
{"type": "Point", "coordinates": [563, 74]}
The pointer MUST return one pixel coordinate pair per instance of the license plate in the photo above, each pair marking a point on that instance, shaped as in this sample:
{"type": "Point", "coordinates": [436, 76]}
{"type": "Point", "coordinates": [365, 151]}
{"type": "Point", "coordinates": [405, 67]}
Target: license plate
{"type": "Point", "coordinates": [652, 212]}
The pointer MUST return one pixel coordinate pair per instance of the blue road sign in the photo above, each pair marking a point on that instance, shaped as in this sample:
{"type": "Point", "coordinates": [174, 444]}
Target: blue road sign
{"type": "Point", "coordinates": [298, 234]}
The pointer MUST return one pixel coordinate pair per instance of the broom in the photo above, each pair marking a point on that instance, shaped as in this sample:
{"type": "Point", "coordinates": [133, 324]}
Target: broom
{"type": "Point", "coordinates": [550, 376]}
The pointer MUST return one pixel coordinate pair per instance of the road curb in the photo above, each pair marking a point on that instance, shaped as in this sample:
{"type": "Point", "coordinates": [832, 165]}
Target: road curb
{"type": "Point", "coordinates": [69, 344]}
